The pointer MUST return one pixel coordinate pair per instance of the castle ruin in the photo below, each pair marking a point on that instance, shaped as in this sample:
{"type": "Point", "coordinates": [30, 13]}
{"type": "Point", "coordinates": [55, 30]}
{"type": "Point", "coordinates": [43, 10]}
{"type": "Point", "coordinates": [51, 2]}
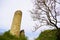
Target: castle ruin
{"type": "Point", "coordinates": [16, 23]}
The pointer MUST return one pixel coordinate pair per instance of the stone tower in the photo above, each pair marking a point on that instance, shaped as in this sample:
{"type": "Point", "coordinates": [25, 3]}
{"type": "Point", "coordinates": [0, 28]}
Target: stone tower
{"type": "Point", "coordinates": [16, 23]}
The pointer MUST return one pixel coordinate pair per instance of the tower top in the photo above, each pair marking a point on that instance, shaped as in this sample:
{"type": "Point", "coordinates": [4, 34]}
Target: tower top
{"type": "Point", "coordinates": [18, 12]}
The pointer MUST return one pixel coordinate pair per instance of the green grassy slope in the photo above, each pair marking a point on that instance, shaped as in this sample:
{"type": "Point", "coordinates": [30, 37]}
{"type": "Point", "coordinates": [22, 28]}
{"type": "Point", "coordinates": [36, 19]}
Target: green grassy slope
{"type": "Point", "coordinates": [7, 36]}
{"type": "Point", "coordinates": [48, 35]}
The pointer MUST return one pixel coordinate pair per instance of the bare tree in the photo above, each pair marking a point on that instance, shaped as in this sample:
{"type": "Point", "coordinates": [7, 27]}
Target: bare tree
{"type": "Point", "coordinates": [46, 12]}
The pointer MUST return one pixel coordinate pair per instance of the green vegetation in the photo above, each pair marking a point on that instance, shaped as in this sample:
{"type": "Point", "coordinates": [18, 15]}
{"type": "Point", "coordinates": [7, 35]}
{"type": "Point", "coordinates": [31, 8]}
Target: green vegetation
{"type": "Point", "coordinates": [7, 36]}
{"type": "Point", "coordinates": [48, 35]}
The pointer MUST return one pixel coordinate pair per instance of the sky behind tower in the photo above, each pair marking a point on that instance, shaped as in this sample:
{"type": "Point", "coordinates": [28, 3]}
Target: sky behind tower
{"type": "Point", "coordinates": [7, 9]}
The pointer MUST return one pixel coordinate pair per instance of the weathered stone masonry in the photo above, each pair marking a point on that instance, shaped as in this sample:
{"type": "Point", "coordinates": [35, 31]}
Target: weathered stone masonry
{"type": "Point", "coordinates": [16, 23]}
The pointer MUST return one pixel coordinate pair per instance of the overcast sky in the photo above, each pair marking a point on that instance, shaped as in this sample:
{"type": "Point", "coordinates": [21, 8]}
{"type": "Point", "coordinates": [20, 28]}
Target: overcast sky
{"type": "Point", "coordinates": [7, 9]}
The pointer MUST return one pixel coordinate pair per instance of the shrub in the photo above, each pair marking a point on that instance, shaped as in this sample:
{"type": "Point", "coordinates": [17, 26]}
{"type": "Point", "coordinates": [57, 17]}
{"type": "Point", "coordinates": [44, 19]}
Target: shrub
{"type": "Point", "coordinates": [48, 35]}
{"type": "Point", "coordinates": [8, 36]}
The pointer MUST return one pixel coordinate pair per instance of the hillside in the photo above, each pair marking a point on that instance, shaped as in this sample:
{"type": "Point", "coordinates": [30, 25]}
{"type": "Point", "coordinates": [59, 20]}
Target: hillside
{"type": "Point", "coordinates": [7, 36]}
{"type": "Point", "coordinates": [49, 35]}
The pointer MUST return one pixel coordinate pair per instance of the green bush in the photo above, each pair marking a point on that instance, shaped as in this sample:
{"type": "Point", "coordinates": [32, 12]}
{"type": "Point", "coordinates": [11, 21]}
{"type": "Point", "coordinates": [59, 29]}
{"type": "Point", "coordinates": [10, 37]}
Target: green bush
{"type": "Point", "coordinates": [58, 34]}
{"type": "Point", "coordinates": [8, 36]}
{"type": "Point", "coordinates": [48, 35]}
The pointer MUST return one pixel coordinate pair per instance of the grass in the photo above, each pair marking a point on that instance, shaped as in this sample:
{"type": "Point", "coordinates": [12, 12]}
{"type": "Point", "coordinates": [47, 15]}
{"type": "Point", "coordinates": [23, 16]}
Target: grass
{"type": "Point", "coordinates": [8, 36]}
{"type": "Point", "coordinates": [48, 35]}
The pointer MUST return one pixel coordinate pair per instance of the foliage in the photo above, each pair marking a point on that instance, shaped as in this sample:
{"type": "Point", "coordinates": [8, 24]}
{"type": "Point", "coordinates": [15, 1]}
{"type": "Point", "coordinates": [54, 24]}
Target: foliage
{"type": "Point", "coordinates": [58, 34]}
{"type": "Point", "coordinates": [45, 12]}
{"type": "Point", "coordinates": [49, 35]}
{"type": "Point", "coordinates": [8, 36]}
